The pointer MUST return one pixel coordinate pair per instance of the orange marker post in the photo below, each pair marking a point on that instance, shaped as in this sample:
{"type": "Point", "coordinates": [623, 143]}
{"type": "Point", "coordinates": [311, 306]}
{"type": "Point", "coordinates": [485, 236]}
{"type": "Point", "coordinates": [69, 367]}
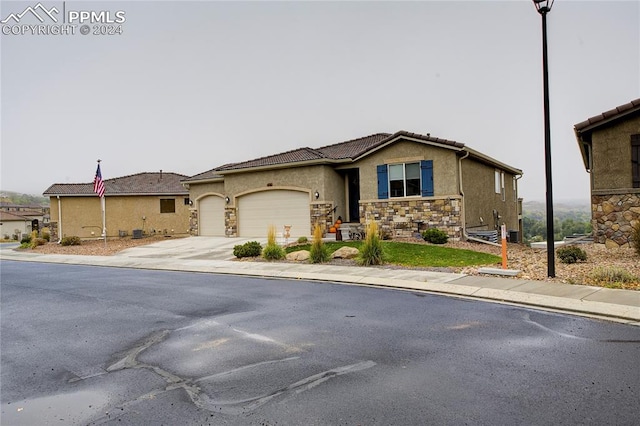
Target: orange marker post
{"type": "Point", "coordinates": [503, 228]}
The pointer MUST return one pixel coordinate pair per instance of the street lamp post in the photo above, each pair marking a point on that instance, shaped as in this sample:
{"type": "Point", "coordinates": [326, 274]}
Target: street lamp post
{"type": "Point", "coordinates": [543, 7]}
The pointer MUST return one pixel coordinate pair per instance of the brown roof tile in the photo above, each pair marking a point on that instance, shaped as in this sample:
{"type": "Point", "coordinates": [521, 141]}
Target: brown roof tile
{"type": "Point", "coordinates": [607, 116]}
{"type": "Point", "coordinates": [164, 183]}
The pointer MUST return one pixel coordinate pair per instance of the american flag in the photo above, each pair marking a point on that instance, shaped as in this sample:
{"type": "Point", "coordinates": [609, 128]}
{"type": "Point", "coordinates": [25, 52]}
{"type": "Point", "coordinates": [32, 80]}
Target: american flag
{"type": "Point", "coordinates": [98, 183]}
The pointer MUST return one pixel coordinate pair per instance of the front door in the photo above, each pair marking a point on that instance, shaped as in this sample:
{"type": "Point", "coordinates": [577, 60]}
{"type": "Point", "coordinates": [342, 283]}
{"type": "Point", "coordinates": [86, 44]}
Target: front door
{"type": "Point", "coordinates": [353, 194]}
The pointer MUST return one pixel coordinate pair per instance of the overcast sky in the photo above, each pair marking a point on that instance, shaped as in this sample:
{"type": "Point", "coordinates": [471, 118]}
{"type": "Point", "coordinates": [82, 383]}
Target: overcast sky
{"type": "Point", "coordinates": [189, 86]}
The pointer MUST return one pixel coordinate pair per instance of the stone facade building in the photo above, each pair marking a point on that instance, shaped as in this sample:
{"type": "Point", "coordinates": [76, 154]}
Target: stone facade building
{"type": "Point", "coordinates": [406, 182]}
{"type": "Point", "coordinates": [610, 147]}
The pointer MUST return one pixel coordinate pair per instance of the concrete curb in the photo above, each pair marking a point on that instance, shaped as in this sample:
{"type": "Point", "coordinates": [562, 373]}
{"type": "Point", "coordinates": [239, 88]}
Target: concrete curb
{"type": "Point", "coordinates": [567, 298]}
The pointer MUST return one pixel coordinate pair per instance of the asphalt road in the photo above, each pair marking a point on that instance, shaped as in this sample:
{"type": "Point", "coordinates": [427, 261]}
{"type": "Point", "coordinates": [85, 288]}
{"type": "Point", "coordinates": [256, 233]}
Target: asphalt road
{"type": "Point", "coordinates": [95, 345]}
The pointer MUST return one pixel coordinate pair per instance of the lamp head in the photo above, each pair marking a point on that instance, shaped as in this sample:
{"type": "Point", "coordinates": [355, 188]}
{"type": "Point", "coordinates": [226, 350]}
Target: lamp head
{"type": "Point", "coordinates": [543, 6]}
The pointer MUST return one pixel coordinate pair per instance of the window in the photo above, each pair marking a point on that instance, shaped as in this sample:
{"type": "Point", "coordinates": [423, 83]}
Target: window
{"type": "Point", "coordinates": [405, 179]}
{"type": "Point", "coordinates": [499, 183]}
{"type": "Point", "coordinates": [167, 205]}
{"type": "Point", "coordinates": [635, 160]}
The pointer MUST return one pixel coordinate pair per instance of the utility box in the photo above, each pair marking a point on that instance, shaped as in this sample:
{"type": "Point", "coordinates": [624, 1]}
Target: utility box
{"type": "Point", "coordinates": [137, 234]}
{"type": "Point", "coordinates": [514, 236]}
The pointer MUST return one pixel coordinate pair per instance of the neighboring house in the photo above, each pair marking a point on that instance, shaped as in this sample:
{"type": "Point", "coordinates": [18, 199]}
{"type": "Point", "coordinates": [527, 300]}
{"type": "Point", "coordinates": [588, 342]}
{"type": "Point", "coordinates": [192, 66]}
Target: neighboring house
{"type": "Point", "coordinates": [610, 147]}
{"type": "Point", "coordinates": [150, 203]}
{"type": "Point", "coordinates": [37, 215]}
{"type": "Point", "coordinates": [13, 225]}
{"type": "Point", "coordinates": [406, 182]}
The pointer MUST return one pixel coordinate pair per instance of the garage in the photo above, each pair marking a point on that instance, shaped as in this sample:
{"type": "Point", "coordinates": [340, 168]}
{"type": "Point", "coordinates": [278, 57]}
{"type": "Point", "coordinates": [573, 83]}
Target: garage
{"type": "Point", "coordinates": [258, 210]}
{"type": "Point", "coordinates": [211, 216]}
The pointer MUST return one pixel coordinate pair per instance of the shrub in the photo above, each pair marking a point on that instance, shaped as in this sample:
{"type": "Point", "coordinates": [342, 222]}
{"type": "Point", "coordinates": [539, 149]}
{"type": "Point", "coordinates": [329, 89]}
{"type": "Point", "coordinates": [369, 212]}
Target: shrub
{"type": "Point", "coordinates": [71, 241]}
{"type": "Point", "coordinates": [303, 240]}
{"type": "Point", "coordinates": [35, 242]}
{"type": "Point", "coordinates": [318, 253]}
{"type": "Point", "coordinates": [371, 252]}
{"type": "Point", "coordinates": [272, 251]}
{"type": "Point", "coordinates": [248, 249]}
{"type": "Point", "coordinates": [435, 236]}
{"type": "Point", "coordinates": [613, 276]}
{"type": "Point", "coordinates": [46, 236]}
{"type": "Point", "coordinates": [571, 254]}
{"type": "Point", "coordinates": [635, 237]}
{"type": "Point", "coordinates": [26, 239]}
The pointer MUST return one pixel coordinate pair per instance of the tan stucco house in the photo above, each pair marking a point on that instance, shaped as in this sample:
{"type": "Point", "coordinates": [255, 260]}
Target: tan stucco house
{"type": "Point", "coordinates": [150, 203]}
{"type": "Point", "coordinates": [406, 182]}
{"type": "Point", "coordinates": [610, 147]}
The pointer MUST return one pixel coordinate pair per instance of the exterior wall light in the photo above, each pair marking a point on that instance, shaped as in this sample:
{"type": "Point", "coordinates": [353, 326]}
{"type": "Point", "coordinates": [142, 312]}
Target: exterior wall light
{"type": "Point", "coordinates": [317, 195]}
{"type": "Point", "coordinates": [227, 199]}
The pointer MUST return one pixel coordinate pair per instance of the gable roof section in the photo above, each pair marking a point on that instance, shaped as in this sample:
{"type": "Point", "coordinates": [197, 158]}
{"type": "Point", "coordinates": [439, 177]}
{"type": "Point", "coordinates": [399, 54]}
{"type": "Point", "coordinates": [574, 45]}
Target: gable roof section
{"type": "Point", "coordinates": [584, 129]}
{"type": "Point", "coordinates": [163, 183]}
{"type": "Point", "coordinates": [6, 216]}
{"type": "Point", "coordinates": [342, 152]}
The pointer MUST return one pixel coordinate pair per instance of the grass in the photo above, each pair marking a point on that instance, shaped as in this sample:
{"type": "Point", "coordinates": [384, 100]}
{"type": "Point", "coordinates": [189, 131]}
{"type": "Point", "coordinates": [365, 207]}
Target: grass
{"type": "Point", "coordinates": [418, 255]}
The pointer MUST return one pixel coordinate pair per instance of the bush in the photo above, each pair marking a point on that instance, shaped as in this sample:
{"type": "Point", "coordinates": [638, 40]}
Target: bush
{"type": "Point", "coordinates": [303, 240]}
{"type": "Point", "coordinates": [371, 252]}
{"type": "Point", "coordinates": [71, 241]}
{"type": "Point", "coordinates": [613, 276]}
{"type": "Point", "coordinates": [318, 253]}
{"type": "Point", "coordinates": [46, 236]}
{"type": "Point", "coordinates": [35, 242]}
{"type": "Point", "coordinates": [248, 249]}
{"type": "Point", "coordinates": [635, 238]}
{"type": "Point", "coordinates": [571, 254]}
{"type": "Point", "coordinates": [26, 239]}
{"type": "Point", "coordinates": [272, 251]}
{"type": "Point", "coordinates": [435, 236]}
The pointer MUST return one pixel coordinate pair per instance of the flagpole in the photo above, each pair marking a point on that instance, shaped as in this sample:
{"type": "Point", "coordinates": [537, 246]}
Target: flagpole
{"type": "Point", "coordinates": [103, 207]}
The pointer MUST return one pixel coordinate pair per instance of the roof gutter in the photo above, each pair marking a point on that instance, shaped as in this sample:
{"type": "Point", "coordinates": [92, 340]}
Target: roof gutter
{"type": "Point", "coordinates": [59, 221]}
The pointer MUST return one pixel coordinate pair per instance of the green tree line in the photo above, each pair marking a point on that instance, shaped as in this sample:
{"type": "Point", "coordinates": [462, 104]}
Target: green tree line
{"type": "Point", "coordinates": [535, 225]}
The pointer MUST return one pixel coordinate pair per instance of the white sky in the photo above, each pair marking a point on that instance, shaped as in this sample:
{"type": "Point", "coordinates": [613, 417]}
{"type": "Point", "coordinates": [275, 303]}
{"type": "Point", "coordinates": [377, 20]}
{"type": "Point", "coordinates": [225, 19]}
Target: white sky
{"type": "Point", "coordinates": [190, 86]}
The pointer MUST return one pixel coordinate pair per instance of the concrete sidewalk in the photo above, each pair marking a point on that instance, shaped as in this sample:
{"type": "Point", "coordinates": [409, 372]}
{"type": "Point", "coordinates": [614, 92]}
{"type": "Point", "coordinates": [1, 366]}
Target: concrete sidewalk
{"type": "Point", "coordinates": [198, 254]}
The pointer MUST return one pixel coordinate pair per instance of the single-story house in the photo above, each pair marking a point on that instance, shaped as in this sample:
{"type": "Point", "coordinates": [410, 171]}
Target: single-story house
{"type": "Point", "coordinates": [407, 182]}
{"type": "Point", "coordinates": [14, 225]}
{"type": "Point", "coordinates": [149, 203]}
{"type": "Point", "coordinates": [37, 215]}
{"type": "Point", "coordinates": [610, 148]}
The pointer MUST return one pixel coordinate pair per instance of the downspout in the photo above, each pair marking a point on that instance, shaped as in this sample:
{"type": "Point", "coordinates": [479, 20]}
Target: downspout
{"type": "Point", "coordinates": [59, 220]}
{"type": "Point", "coordinates": [463, 213]}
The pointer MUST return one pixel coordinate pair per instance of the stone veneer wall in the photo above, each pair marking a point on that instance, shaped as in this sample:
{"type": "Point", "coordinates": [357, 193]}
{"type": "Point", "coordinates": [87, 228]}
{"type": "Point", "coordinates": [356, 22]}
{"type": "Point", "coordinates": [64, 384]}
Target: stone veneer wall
{"type": "Point", "coordinates": [322, 213]}
{"type": "Point", "coordinates": [402, 218]}
{"type": "Point", "coordinates": [53, 231]}
{"type": "Point", "coordinates": [230, 222]}
{"type": "Point", "coordinates": [613, 216]}
{"type": "Point", "coordinates": [193, 222]}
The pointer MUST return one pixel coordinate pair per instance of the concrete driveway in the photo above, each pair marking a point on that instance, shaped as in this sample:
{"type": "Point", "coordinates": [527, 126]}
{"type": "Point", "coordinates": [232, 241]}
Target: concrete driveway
{"type": "Point", "coordinates": [202, 248]}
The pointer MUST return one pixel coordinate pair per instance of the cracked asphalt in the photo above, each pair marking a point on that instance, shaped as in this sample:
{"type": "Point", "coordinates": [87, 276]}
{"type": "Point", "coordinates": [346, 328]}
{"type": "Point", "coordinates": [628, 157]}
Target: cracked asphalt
{"type": "Point", "coordinates": [96, 345]}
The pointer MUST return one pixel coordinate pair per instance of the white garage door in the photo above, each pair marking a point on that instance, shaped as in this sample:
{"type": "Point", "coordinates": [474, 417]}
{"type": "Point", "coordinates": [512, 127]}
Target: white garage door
{"type": "Point", "coordinates": [278, 207]}
{"type": "Point", "coordinates": [211, 216]}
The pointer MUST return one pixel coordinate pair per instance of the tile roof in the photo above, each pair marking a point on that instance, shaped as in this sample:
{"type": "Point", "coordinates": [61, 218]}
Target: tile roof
{"type": "Point", "coordinates": [155, 183]}
{"type": "Point", "coordinates": [607, 116]}
{"type": "Point", "coordinates": [10, 216]}
{"type": "Point", "coordinates": [343, 151]}
{"type": "Point", "coordinates": [350, 149]}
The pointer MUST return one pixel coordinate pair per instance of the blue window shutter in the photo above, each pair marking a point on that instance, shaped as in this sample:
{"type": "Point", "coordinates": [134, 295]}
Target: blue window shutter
{"type": "Point", "coordinates": [426, 172]}
{"type": "Point", "coordinates": [383, 182]}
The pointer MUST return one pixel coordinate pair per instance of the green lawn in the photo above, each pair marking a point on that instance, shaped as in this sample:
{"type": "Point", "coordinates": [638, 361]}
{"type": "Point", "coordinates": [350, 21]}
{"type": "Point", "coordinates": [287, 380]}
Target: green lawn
{"type": "Point", "coordinates": [419, 255]}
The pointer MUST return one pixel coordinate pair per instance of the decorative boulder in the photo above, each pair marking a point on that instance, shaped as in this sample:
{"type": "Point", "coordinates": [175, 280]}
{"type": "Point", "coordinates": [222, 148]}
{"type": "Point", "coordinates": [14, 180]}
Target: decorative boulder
{"type": "Point", "coordinates": [298, 256]}
{"type": "Point", "coordinates": [345, 253]}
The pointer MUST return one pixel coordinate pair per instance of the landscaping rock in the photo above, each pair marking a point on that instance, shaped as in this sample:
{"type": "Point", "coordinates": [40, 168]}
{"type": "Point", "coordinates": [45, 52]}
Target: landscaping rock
{"type": "Point", "coordinates": [345, 253]}
{"type": "Point", "coordinates": [298, 256]}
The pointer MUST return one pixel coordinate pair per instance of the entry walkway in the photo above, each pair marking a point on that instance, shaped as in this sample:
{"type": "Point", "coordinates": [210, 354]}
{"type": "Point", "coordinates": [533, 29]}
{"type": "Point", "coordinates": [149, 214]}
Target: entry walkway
{"type": "Point", "coordinates": [214, 255]}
